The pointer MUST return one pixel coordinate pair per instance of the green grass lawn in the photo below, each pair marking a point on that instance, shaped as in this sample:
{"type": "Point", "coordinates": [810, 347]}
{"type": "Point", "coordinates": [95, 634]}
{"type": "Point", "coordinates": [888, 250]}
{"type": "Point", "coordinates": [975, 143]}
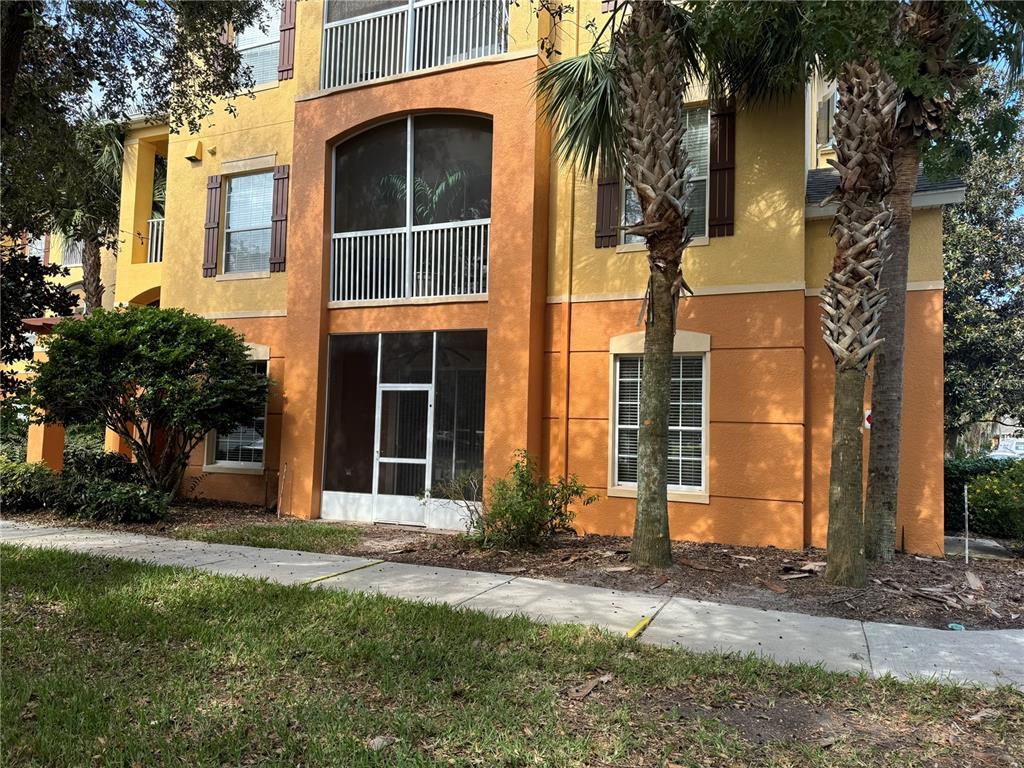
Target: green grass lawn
{"type": "Point", "coordinates": [295, 534]}
{"type": "Point", "coordinates": [108, 662]}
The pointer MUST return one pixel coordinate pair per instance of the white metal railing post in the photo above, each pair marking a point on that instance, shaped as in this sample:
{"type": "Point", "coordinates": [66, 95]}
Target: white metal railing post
{"type": "Point", "coordinates": [410, 207]}
{"type": "Point", "coordinates": [410, 38]}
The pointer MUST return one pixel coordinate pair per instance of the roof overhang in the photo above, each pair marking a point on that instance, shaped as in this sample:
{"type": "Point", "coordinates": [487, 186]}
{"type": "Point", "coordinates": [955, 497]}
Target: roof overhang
{"type": "Point", "coordinates": [929, 199]}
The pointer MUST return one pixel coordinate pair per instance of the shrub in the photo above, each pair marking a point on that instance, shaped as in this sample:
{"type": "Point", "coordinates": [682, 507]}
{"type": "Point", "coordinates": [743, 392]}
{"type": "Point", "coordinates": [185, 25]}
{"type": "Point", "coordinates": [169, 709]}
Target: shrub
{"type": "Point", "coordinates": [24, 487]}
{"type": "Point", "coordinates": [996, 502]}
{"type": "Point", "coordinates": [959, 472]}
{"type": "Point", "coordinates": [92, 464]}
{"type": "Point", "coordinates": [525, 509]}
{"type": "Point", "coordinates": [106, 500]}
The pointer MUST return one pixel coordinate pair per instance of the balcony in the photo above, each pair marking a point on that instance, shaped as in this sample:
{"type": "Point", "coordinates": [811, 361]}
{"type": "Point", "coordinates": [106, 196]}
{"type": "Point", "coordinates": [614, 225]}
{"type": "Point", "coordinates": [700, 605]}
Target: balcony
{"type": "Point", "coordinates": [426, 261]}
{"type": "Point", "coordinates": [155, 241]}
{"type": "Point", "coordinates": [407, 36]}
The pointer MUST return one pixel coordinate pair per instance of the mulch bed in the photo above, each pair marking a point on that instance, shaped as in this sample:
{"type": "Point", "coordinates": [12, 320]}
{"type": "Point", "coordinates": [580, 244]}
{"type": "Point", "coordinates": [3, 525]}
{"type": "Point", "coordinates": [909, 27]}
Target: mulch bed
{"type": "Point", "coordinates": [921, 591]}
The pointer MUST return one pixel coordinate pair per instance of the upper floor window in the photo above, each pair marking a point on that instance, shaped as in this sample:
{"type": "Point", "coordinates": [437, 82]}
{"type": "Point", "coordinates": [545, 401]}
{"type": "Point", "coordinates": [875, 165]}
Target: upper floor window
{"type": "Point", "coordinates": [36, 247]}
{"type": "Point", "coordinates": [687, 422]}
{"type": "Point", "coordinates": [247, 223]}
{"type": "Point", "coordinates": [260, 49]}
{"type": "Point", "coordinates": [827, 106]}
{"type": "Point", "coordinates": [697, 141]}
{"type": "Point", "coordinates": [369, 39]}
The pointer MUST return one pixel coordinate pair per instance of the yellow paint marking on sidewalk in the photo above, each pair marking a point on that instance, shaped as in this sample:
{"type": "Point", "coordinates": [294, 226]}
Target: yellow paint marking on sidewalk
{"type": "Point", "coordinates": [339, 573]}
{"type": "Point", "coordinates": [638, 629]}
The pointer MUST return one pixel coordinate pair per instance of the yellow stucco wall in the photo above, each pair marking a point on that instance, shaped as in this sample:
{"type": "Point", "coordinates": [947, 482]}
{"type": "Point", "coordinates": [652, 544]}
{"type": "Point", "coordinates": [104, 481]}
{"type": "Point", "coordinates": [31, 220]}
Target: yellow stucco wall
{"type": "Point", "coordinates": [768, 244]}
{"type": "Point", "coordinates": [925, 264]}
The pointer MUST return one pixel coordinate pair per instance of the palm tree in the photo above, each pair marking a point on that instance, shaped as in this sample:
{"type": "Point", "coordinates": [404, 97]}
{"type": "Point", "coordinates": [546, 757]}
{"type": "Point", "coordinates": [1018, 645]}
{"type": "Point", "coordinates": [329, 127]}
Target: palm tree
{"type": "Point", "coordinates": [621, 103]}
{"type": "Point", "coordinates": [852, 299]}
{"type": "Point", "coordinates": [949, 41]}
{"type": "Point", "coordinates": [91, 201]}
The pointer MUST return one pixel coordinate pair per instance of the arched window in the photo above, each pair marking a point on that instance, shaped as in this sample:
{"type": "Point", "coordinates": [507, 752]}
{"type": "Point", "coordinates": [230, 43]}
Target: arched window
{"type": "Point", "coordinates": [412, 207]}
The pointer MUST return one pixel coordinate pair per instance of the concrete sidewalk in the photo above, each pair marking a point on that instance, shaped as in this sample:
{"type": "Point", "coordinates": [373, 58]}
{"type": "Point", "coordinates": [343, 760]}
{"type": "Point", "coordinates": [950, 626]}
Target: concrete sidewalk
{"type": "Point", "coordinates": [843, 645]}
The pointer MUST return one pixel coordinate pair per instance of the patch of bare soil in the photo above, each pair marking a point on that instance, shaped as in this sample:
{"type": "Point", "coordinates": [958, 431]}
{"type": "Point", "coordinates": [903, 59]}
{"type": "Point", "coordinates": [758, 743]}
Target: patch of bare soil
{"type": "Point", "coordinates": [921, 591]}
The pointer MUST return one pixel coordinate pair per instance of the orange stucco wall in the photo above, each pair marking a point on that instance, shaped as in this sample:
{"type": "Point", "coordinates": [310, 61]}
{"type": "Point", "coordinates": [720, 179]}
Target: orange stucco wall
{"type": "Point", "coordinates": [514, 313]}
{"type": "Point", "coordinates": [755, 464]}
{"type": "Point", "coordinates": [769, 418]}
{"type": "Point", "coordinates": [258, 488]}
{"type": "Point", "coordinates": [919, 523]}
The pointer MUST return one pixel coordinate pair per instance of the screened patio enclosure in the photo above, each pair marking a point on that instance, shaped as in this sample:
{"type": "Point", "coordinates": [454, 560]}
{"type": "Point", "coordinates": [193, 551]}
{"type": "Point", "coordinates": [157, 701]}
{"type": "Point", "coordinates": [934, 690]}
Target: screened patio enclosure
{"type": "Point", "coordinates": [412, 211]}
{"type": "Point", "coordinates": [405, 412]}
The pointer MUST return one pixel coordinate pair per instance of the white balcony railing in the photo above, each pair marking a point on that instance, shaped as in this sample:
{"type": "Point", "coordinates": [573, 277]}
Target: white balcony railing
{"type": "Point", "coordinates": [438, 260]}
{"type": "Point", "coordinates": [155, 241]}
{"type": "Point", "coordinates": [420, 35]}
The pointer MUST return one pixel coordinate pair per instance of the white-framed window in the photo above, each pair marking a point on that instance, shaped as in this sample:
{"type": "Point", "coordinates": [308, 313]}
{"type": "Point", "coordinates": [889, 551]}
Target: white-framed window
{"type": "Point", "coordinates": [258, 49]}
{"type": "Point", "coordinates": [36, 247]}
{"type": "Point", "coordinates": [247, 223]}
{"type": "Point", "coordinates": [72, 252]}
{"type": "Point", "coordinates": [243, 446]}
{"type": "Point", "coordinates": [826, 118]}
{"type": "Point", "coordinates": [697, 141]}
{"type": "Point", "coordinates": [687, 423]}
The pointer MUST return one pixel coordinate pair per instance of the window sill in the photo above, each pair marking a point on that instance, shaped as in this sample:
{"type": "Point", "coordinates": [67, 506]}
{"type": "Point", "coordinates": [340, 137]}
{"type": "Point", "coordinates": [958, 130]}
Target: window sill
{"type": "Point", "coordinates": [241, 276]}
{"type": "Point", "coordinates": [237, 469]}
{"type": "Point", "coordinates": [690, 497]}
{"type": "Point", "coordinates": [635, 247]}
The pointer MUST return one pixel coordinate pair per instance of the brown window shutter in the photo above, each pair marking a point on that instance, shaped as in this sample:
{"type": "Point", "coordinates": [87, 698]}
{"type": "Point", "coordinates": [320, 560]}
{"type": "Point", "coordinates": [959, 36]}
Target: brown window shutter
{"type": "Point", "coordinates": [609, 193]}
{"type": "Point", "coordinates": [279, 220]}
{"type": "Point", "coordinates": [722, 171]}
{"type": "Point", "coordinates": [286, 55]}
{"type": "Point", "coordinates": [225, 33]}
{"type": "Point", "coordinates": [46, 249]}
{"type": "Point", "coordinates": [213, 187]}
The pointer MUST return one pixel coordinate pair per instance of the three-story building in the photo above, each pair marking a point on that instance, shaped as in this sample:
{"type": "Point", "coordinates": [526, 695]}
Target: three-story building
{"type": "Point", "coordinates": [430, 290]}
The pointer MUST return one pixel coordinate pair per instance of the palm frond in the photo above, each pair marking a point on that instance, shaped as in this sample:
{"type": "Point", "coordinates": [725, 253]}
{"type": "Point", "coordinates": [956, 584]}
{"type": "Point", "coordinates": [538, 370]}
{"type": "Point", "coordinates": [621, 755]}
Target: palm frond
{"type": "Point", "coordinates": [580, 98]}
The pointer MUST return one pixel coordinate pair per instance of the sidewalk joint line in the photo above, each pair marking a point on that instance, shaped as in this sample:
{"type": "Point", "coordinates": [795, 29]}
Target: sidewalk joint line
{"type": "Point", "coordinates": [484, 592]}
{"type": "Point", "coordinates": [867, 645]}
{"type": "Point", "coordinates": [340, 573]}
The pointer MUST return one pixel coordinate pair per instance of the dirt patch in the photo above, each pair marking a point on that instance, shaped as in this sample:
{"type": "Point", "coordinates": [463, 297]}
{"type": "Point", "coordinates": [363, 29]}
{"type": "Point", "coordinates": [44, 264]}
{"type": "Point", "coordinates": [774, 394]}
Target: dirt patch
{"type": "Point", "coordinates": [931, 592]}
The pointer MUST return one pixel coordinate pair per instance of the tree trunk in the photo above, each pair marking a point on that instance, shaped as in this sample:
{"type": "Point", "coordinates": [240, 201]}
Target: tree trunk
{"type": "Point", "coordinates": [887, 387]}
{"type": "Point", "coordinates": [91, 263]}
{"type": "Point", "coordinates": [15, 23]}
{"type": "Point", "coordinates": [846, 481]}
{"type": "Point", "coordinates": [651, 544]}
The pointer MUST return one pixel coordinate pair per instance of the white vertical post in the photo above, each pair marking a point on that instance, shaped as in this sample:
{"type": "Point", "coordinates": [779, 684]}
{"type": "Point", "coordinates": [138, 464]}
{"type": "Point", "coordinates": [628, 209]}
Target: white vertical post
{"type": "Point", "coordinates": [967, 529]}
{"type": "Point", "coordinates": [409, 193]}
{"type": "Point", "coordinates": [410, 38]}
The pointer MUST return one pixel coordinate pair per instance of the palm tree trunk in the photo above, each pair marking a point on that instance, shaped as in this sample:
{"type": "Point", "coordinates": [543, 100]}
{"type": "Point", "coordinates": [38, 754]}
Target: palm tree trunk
{"type": "Point", "coordinates": [846, 478]}
{"type": "Point", "coordinates": [651, 544]}
{"type": "Point", "coordinates": [91, 275]}
{"type": "Point", "coordinates": [887, 386]}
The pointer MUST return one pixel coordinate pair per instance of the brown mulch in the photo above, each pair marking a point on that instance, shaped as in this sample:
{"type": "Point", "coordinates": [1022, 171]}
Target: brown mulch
{"type": "Point", "coordinates": [921, 591]}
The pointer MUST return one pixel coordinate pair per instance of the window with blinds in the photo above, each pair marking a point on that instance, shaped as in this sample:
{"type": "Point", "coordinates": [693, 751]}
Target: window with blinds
{"type": "Point", "coordinates": [248, 222]}
{"type": "Point", "coordinates": [243, 446]}
{"type": "Point", "coordinates": [686, 422]}
{"type": "Point", "coordinates": [259, 49]}
{"type": "Point", "coordinates": [697, 141]}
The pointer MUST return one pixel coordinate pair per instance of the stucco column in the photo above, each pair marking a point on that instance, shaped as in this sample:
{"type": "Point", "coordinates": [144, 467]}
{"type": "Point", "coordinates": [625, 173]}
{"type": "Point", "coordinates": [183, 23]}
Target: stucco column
{"type": "Point", "coordinates": [46, 445]}
{"type": "Point", "coordinates": [114, 443]}
{"type": "Point", "coordinates": [304, 391]}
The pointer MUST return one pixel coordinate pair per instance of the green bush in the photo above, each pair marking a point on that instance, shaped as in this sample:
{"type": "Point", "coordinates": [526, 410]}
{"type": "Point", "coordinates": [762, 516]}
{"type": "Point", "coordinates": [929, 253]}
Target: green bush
{"type": "Point", "coordinates": [996, 502]}
{"type": "Point", "coordinates": [90, 463]}
{"type": "Point", "coordinates": [24, 487]}
{"type": "Point", "coordinates": [525, 509]}
{"type": "Point", "coordinates": [959, 472]}
{"type": "Point", "coordinates": [104, 500]}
